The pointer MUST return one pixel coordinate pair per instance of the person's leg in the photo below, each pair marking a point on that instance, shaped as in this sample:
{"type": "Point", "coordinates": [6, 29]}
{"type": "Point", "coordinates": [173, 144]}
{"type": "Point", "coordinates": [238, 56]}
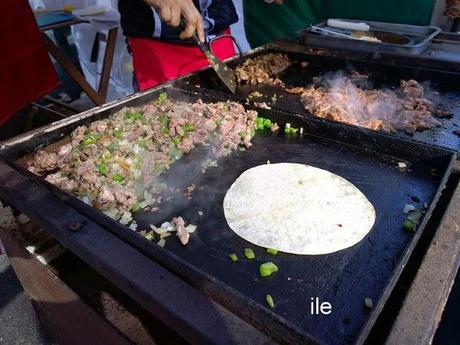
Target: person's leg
{"type": "Point", "coordinates": [68, 85]}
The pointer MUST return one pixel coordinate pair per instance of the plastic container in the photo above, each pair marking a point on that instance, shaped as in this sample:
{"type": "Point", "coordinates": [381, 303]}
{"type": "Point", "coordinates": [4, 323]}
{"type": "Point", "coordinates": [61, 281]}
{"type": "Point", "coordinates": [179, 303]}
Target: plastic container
{"type": "Point", "coordinates": [53, 5]}
{"type": "Point", "coordinates": [77, 4]}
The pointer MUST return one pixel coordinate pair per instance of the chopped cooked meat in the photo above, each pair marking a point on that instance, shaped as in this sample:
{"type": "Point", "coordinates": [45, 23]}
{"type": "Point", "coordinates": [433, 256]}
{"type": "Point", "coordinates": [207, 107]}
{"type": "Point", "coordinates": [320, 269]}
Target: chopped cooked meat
{"type": "Point", "coordinates": [340, 99]}
{"type": "Point", "coordinates": [65, 150]}
{"type": "Point", "coordinates": [182, 233]}
{"type": "Point", "coordinates": [7, 220]}
{"type": "Point", "coordinates": [443, 113]}
{"type": "Point", "coordinates": [98, 126]}
{"type": "Point", "coordinates": [262, 105]}
{"type": "Point", "coordinates": [263, 69]}
{"type": "Point", "coordinates": [124, 197]}
{"type": "Point", "coordinates": [412, 88]}
{"type": "Point", "coordinates": [255, 94]}
{"type": "Point", "coordinates": [295, 90]}
{"type": "Point", "coordinates": [113, 164]}
{"type": "Point", "coordinates": [78, 135]}
{"type": "Point", "coordinates": [105, 199]}
{"type": "Point", "coordinates": [87, 172]}
{"type": "Point", "coordinates": [275, 128]}
{"type": "Point", "coordinates": [379, 125]}
{"type": "Point", "coordinates": [43, 161]}
{"type": "Point", "coordinates": [62, 182]}
{"type": "Point", "coordinates": [452, 9]}
{"type": "Point", "coordinates": [191, 189]}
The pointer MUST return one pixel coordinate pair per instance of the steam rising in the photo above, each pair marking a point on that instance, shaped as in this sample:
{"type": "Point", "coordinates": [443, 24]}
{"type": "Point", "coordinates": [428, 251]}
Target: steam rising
{"type": "Point", "coordinates": [351, 99]}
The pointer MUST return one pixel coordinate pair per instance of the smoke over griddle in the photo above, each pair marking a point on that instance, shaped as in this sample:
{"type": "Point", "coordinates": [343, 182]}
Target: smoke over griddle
{"type": "Point", "coordinates": [350, 98]}
{"type": "Point", "coordinates": [115, 164]}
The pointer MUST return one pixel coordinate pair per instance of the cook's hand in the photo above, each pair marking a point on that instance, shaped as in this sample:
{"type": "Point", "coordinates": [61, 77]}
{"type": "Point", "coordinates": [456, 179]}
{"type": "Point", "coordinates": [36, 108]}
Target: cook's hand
{"type": "Point", "coordinates": [170, 12]}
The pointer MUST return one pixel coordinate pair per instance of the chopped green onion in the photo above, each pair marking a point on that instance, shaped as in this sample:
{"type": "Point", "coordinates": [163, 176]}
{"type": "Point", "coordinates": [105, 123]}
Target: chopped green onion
{"type": "Point", "coordinates": [188, 127]}
{"type": "Point", "coordinates": [243, 134]}
{"type": "Point", "coordinates": [162, 97]}
{"type": "Point", "coordinates": [290, 130]}
{"type": "Point", "coordinates": [409, 225]}
{"type": "Point", "coordinates": [176, 140]}
{"type": "Point", "coordinates": [270, 301]}
{"type": "Point", "coordinates": [267, 123]}
{"type": "Point", "coordinates": [118, 178]}
{"type": "Point", "coordinates": [138, 116]}
{"type": "Point", "coordinates": [88, 140]}
{"type": "Point", "coordinates": [267, 269]}
{"type": "Point", "coordinates": [164, 122]}
{"type": "Point", "coordinates": [134, 116]}
{"type": "Point", "coordinates": [136, 207]}
{"type": "Point", "coordinates": [260, 122]}
{"type": "Point", "coordinates": [272, 251]}
{"type": "Point", "coordinates": [249, 253]}
{"type": "Point", "coordinates": [118, 133]}
{"type": "Point", "coordinates": [102, 168]}
{"type": "Point", "coordinates": [233, 257]}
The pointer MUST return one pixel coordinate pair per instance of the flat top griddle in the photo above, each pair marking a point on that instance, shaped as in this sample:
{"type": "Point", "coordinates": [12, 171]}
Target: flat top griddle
{"type": "Point", "coordinates": [380, 75]}
{"type": "Point", "coordinates": [369, 269]}
{"type": "Point", "coordinates": [344, 278]}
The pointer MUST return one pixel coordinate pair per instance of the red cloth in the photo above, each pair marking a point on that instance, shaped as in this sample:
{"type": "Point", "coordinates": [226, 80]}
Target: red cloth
{"type": "Point", "coordinates": [155, 61]}
{"type": "Point", "coordinates": [26, 71]}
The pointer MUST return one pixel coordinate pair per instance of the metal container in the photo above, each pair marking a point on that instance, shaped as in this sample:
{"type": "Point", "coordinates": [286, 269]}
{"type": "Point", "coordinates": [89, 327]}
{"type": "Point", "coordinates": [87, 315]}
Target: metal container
{"type": "Point", "coordinates": [419, 37]}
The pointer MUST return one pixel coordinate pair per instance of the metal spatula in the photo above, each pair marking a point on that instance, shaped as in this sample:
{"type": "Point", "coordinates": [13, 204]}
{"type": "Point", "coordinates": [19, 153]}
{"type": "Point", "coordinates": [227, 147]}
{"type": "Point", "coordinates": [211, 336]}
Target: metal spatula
{"type": "Point", "coordinates": [225, 73]}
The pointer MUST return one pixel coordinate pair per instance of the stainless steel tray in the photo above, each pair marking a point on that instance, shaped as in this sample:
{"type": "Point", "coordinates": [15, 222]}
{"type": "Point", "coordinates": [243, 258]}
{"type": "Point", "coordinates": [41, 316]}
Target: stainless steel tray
{"type": "Point", "coordinates": [419, 38]}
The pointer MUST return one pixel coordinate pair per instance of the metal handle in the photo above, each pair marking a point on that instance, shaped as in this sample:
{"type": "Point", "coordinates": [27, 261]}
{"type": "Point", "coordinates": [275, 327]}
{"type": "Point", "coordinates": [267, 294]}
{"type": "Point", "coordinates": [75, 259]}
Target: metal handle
{"type": "Point", "coordinates": [183, 25]}
{"type": "Point", "coordinates": [240, 51]}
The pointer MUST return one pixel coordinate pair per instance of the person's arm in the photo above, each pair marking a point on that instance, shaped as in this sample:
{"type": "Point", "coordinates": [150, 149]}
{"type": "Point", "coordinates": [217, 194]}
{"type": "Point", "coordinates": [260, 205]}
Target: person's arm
{"type": "Point", "coordinates": [170, 12]}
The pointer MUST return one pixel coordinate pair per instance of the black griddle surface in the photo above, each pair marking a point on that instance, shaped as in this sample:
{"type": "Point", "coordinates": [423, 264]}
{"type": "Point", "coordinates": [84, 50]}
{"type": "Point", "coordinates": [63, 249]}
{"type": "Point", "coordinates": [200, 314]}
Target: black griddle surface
{"type": "Point", "coordinates": [344, 278]}
{"type": "Point", "coordinates": [367, 159]}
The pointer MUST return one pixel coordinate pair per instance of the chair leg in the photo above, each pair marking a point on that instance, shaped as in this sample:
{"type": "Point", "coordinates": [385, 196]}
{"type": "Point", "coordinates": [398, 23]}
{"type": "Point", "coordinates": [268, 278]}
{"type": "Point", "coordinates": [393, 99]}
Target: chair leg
{"type": "Point", "coordinates": [31, 111]}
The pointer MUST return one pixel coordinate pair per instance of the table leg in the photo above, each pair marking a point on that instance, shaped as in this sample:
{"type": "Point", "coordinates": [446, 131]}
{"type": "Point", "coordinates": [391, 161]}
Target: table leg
{"type": "Point", "coordinates": [74, 73]}
{"type": "Point", "coordinates": [107, 64]}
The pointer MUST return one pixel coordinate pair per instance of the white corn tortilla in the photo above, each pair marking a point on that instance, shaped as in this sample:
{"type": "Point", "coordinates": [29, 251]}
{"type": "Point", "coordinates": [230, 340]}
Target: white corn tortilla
{"type": "Point", "coordinates": [297, 209]}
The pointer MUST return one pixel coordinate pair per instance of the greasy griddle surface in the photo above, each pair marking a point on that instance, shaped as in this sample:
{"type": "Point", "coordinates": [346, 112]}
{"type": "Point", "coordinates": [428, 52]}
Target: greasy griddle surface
{"type": "Point", "coordinates": [380, 75]}
{"type": "Point", "coordinates": [344, 278]}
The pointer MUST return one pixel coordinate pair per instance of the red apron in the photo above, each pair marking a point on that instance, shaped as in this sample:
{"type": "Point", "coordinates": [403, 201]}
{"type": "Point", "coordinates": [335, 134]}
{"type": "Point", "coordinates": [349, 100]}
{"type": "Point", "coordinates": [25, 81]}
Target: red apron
{"type": "Point", "coordinates": [155, 61]}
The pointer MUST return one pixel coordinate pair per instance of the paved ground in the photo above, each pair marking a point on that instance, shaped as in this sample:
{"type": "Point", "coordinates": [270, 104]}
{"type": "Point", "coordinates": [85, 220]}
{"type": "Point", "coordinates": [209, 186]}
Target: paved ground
{"type": "Point", "coordinates": [19, 324]}
{"type": "Point", "coordinates": [448, 332]}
